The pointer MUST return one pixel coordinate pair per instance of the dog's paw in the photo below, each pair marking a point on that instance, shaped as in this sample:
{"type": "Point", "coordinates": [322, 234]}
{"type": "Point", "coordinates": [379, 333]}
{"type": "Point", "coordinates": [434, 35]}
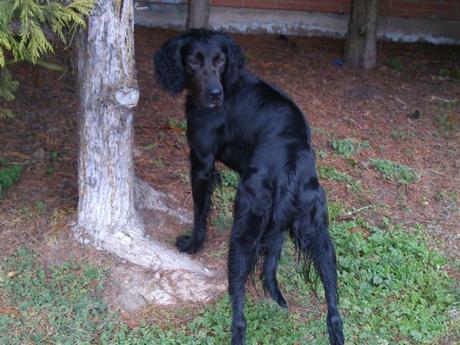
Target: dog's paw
{"type": "Point", "coordinates": [281, 301]}
{"type": "Point", "coordinates": [185, 244]}
{"type": "Point", "coordinates": [335, 329]}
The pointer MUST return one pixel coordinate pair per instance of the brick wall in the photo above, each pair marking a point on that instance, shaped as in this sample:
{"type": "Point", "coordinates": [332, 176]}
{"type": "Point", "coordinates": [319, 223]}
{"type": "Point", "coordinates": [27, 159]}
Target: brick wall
{"type": "Point", "coordinates": [439, 9]}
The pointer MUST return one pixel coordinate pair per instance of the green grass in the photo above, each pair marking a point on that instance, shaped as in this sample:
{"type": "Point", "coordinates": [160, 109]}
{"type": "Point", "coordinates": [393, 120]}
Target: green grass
{"type": "Point", "coordinates": [348, 147]}
{"type": "Point", "coordinates": [223, 198]}
{"type": "Point", "coordinates": [332, 174]}
{"type": "Point", "coordinates": [9, 175]}
{"type": "Point", "coordinates": [56, 305]}
{"type": "Point", "coordinates": [393, 287]}
{"type": "Point", "coordinates": [393, 290]}
{"type": "Point", "coordinates": [394, 172]}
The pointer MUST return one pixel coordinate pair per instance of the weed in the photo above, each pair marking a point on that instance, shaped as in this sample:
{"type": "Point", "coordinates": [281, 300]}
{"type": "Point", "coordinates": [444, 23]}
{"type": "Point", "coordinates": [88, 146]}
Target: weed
{"type": "Point", "coordinates": [9, 175]}
{"type": "Point", "coordinates": [331, 173]}
{"type": "Point", "coordinates": [178, 124]}
{"type": "Point", "coordinates": [54, 156]}
{"type": "Point", "coordinates": [356, 186]}
{"type": "Point", "coordinates": [322, 154]}
{"type": "Point", "coordinates": [182, 176]}
{"type": "Point", "coordinates": [223, 221]}
{"type": "Point", "coordinates": [401, 134]}
{"type": "Point", "coordinates": [40, 207]}
{"type": "Point", "coordinates": [395, 172]}
{"type": "Point", "coordinates": [158, 163]}
{"type": "Point", "coordinates": [151, 146]}
{"type": "Point", "coordinates": [348, 147]}
{"type": "Point", "coordinates": [396, 63]}
{"type": "Point", "coordinates": [229, 178]}
{"type": "Point", "coordinates": [444, 72]}
{"type": "Point", "coordinates": [448, 197]}
{"type": "Point", "coordinates": [320, 131]}
{"type": "Point", "coordinates": [445, 125]}
{"type": "Point", "coordinates": [336, 209]}
{"type": "Point", "coordinates": [448, 104]}
{"type": "Point", "coordinates": [457, 73]}
{"type": "Point", "coordinates": [223, 197]}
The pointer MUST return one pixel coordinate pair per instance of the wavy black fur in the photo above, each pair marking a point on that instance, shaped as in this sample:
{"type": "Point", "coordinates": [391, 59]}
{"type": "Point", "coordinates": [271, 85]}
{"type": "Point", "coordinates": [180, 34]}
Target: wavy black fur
{"type": "Point", "coordinates": [255, 129]}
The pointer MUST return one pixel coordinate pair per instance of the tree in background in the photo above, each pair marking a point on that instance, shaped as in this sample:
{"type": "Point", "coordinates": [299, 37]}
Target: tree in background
{"type": "Point", "coordinates": [198, 14]}
{"type": "Point", "coordinates": [27, 30]}
{"type": "Point", "coordinates": [361, 38]}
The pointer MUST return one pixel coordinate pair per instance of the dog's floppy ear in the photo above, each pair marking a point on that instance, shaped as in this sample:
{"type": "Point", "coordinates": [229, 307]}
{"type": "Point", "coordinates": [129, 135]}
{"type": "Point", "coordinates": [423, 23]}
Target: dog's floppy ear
{"type": "Point", "coordinates": [235, 62]}
{"type": "Point", "coordinates": [168, 65]}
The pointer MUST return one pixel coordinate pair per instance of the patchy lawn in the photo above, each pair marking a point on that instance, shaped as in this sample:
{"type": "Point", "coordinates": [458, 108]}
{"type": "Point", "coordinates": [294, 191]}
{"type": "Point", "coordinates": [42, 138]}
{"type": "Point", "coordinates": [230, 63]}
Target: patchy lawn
{"type": "Point", "coordinates": [387, 144]}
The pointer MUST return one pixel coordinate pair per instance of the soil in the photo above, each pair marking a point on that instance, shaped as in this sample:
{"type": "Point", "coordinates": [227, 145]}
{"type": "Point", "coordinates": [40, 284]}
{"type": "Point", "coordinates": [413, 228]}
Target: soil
{"type": "Point", "coordinates": [407, 109]}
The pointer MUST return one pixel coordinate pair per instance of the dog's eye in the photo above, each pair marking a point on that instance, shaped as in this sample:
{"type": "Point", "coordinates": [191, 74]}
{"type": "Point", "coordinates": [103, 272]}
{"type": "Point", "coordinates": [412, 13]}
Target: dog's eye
{"type": "Point", "coordinates": [218, 59]}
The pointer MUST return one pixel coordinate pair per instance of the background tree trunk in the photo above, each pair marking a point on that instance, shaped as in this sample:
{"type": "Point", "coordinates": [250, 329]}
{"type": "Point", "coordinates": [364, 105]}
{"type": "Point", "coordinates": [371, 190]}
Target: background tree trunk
{"type": "Point", "coordinates": [109, 193]}
{"type": "Point", "coordinates": [361, 39]}
{"type": "Point", "coordinates": [198, 14]}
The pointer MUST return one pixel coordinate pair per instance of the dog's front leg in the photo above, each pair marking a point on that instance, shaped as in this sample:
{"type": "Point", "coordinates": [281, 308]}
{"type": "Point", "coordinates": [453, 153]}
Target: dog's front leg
{"type": "Point", "coordinates": [202, 176]}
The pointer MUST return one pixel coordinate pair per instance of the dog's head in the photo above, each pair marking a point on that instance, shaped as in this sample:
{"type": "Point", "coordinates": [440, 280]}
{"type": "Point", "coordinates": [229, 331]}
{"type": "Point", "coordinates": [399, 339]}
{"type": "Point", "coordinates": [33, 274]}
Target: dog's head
{"type": "Point", "coordinates": [205, 62]}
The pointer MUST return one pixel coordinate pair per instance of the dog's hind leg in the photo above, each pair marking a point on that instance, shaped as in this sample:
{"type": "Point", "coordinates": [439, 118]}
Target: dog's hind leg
{"type": "Point", "coordinates": [252, 211]}
{"type": "Point", "coordinates": [312, 238]}
{"type": "Point", "coordinates": [273, 243]}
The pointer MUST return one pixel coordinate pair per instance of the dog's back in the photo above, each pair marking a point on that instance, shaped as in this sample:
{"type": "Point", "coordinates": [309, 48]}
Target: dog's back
{"type": "Point", "coordinates": [255, 129]}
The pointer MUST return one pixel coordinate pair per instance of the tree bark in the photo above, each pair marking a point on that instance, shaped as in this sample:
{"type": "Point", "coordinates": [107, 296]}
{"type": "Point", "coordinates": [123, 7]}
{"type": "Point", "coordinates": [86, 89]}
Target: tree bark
{"type": "Point", "coordinates": [109, 193]}
{"type": "Point", "coordinates": [361, 38]}
{"type": "Point", "coordinates": [108, 92]}
{"type": "Point", "coordinates": [198, 14]}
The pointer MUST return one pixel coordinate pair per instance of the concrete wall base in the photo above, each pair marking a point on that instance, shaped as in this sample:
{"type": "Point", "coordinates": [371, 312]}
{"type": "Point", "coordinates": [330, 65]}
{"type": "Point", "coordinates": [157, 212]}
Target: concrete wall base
{"type": "Point", "coordinates": [241, 20]}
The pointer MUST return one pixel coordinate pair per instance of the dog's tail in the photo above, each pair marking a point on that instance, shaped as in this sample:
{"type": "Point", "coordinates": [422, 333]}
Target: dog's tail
{"type": "Point", "coordinates": [310, 233]}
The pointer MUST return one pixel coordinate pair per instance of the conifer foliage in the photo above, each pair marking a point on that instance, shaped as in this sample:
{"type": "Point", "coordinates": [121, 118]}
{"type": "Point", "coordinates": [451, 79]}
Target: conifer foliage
{"type": "Point", "coordinates": [27, 30]}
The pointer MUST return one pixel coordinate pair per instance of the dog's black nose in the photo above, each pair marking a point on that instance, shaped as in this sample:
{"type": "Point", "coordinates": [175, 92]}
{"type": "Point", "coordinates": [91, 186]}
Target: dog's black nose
{"type": "Point", "coordinates": [215, 93]}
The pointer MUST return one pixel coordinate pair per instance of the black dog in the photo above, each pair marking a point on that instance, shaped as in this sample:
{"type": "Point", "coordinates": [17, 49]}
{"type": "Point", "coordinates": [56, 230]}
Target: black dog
{"type": "Point", "coordinates": [238, 119]}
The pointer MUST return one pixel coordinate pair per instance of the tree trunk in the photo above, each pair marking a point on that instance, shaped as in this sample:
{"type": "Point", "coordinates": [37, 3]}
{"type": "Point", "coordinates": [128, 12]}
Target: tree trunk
{"type": "Point", "coordinates": [109, 193]}
{"type": "Point", "coordinates": [198, 14]}
{"type": "Point", "coordinates": [108, 92]}
{"type": "Point", "coordinates": [361, 39]}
